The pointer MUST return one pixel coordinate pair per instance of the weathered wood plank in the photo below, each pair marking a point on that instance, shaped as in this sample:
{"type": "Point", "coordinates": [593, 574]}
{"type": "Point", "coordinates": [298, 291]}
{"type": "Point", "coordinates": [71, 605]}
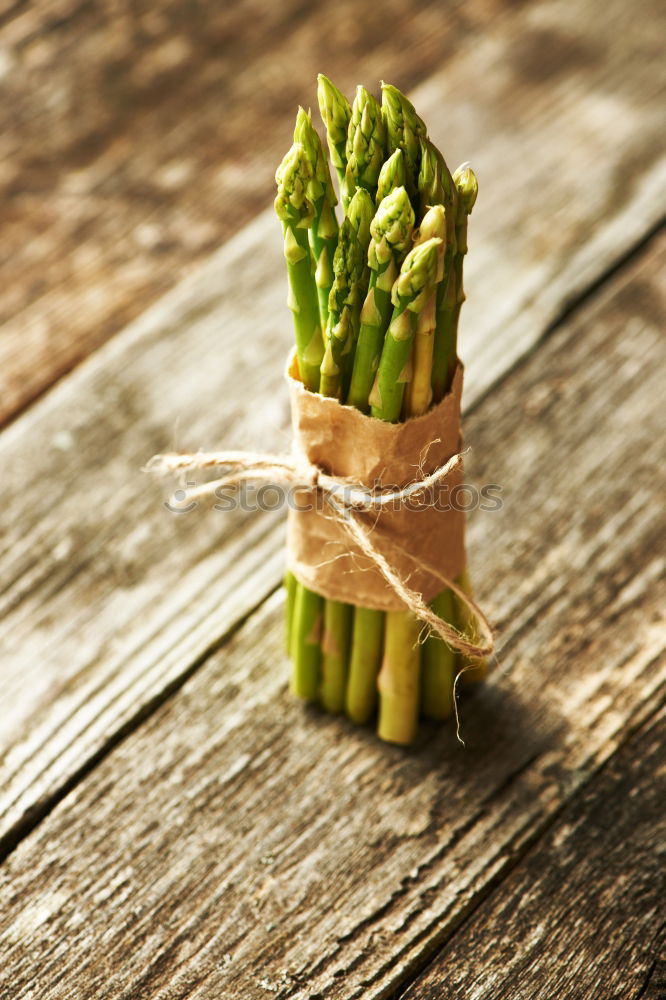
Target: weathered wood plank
{"type": "Point", "coordinates": [237, 846]}
{"type": "Point", "coordinates": [107, 599]}
{"type": "Point", "coordinates": [135, 140]}
{"type": "Point", "coordinates": [582, 915]}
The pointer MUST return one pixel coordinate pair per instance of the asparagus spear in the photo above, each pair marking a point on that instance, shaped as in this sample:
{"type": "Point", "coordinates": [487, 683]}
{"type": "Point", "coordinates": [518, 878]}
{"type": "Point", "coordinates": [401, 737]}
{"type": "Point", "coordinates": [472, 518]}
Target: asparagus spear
{"type": "Point", "coordinates": [467, 187]}
{"type": "Point", "coordinates": [324, 229]}
{"type": "Point", "coordinates": [335, 113]}
{"type": "Point", "coordinates": [459, 195]}
{"type": "Point", "coordinates": [446, 350]}
{"type": "Point", "coordinates": [391, 232]}
{"type": "Point", "coordinates": [436, 187]}
{"type": "Point", "coordinates": [349, 268]}
{"type": "Point", "coordinates": [429, 182]}
{"type": "Point", "coordinates": [438, 661]}
{"type": "Point", "coordinates": [335, 655]}
{"type": "Point", "coordinates": [398, 679]}
{"type": "Point", "coordinates": [474, 668]}
{"type": "Point", "coordinates": [295, 209]}
{"type": "Point", "coordinates": [305, 647]}
{"type": "Point", "coordinates": [344, 307]}
{"type": "Point", "coordinates": [392, 175]}
{"type": "Point", "coordinates": [364, 663]}
{"type": "Point", "coordinates": [404, 129]}
{"type": "Point", "coordinates": [360, 212]}
{"type": "Point", "coordinates": [419, 390]}
{"type": "Point", "coordinates": [368, 624]}
{"type": "Point", "coordinates": [411, 292]}
{"type": "Point", "coordinates": [366, 145]}
{"type": "Point", "coordinates": [290, 584]}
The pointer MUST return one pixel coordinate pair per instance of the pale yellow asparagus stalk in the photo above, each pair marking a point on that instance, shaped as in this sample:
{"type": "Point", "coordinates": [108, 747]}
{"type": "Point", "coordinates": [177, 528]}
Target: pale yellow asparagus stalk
{"type": "Point", "coordinates": [419, 390]}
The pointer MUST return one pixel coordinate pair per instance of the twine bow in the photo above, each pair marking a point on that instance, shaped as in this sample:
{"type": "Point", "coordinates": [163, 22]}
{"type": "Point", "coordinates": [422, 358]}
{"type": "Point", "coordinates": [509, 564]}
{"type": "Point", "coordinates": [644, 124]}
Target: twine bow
{"type": "Point", "coordinates": [348, 502]}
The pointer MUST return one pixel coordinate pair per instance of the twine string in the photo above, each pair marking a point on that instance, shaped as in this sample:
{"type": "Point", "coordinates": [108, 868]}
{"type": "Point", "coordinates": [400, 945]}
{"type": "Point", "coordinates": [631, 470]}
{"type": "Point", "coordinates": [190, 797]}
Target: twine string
{"type": "Point", "coordinates": [348, 500]}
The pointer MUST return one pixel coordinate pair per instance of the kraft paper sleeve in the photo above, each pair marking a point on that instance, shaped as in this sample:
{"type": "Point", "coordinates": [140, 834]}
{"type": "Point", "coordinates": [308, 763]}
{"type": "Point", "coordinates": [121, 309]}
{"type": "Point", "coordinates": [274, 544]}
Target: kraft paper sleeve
{"type": "Point", "coordinates": [415, 538]}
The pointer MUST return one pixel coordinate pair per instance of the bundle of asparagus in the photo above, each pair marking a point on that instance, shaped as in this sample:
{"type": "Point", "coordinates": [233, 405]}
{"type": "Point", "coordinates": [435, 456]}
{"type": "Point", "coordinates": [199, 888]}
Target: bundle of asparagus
{"type": "Point", "coordinates": [376, 300]}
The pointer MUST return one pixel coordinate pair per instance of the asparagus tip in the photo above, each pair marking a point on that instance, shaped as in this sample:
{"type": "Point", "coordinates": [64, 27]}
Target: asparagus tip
{"type": "Point", "coordinates": [467, 186]}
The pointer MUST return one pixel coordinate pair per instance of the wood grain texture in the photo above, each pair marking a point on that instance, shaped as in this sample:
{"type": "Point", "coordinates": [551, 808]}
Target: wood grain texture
{"type": "Point", "coordinates": [138, 137]}
{"type": "Point", "coordinates": [582, 915]}
{"type": "Point", "coordinates": [108, 600]}
{"type": "Point", "coordinates": [235, 845]}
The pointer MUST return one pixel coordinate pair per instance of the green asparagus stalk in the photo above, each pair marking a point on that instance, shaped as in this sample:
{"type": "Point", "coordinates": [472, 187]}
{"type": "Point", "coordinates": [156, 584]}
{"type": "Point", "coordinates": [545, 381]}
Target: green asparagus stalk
{"type": "Point", "coordinates": [399, 681]}
{"type": "Point", "coordinates": [446, 351]}
{"type": "Point", "coordinates": [429, 183]}
{"type": "Point", "coordinates": [438, 663]}
{"type": "Point", "coordinates": [394, 234]}
{"type": "Point", "coordinates": [360, 212]}
{"type": "Point", "coordinates": [391, 233]}
{"type": "Point", "coordinates": [344, 308]}
{"type": "Point", "coordinates": [324, 229]}
{"type": "Point", "coordinates": [436, 187]}
{"type": "Point", "coordinates": [366, 145]}
{"type": "Point", "coordinates": [364, 663]}
{"type": "Point", "coordinates": [335, 655]}
{"type": "Point", "coordinates": [290, 584]}
{"type": "Point", "coordinates": [295, 209]}
{"type": "Point", "coordinates": [474, 669]}
{"type": "Point", "coordinates": [305, 647]}
{"type": "Point", "coordinates": [392, 175]}
{"type": "Point", "coordinates": [404, 130]}
{"type": "Point", "coordinates": [335, 112]}
{"type": "Point", "coordinates": [467, 187]}
{"type": "Point", "coordinates": [410, 294]}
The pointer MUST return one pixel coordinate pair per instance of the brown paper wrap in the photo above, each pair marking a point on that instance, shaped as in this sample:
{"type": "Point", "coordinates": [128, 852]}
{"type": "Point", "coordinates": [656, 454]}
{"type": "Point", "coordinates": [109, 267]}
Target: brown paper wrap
{"type": "Point", "coordinates": [416, 538]}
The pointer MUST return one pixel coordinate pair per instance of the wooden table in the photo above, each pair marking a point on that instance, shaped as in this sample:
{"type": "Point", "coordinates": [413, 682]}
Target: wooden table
{"type": "Point", "coordinates": [172, 823]}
